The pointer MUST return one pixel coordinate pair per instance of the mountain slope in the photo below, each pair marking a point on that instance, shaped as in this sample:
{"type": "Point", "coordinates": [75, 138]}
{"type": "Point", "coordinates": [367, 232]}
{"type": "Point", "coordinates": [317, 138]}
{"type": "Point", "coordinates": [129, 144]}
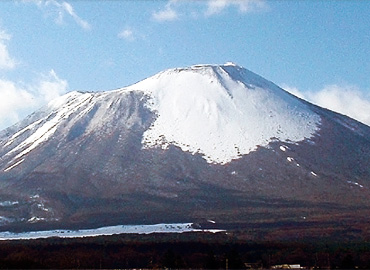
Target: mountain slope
{"type": "Point", "coordinates": [189, 144]}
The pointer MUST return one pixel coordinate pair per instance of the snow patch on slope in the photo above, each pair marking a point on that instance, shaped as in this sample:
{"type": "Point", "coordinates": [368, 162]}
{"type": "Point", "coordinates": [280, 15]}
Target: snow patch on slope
{"type": "Point", "coordinates": [60, 108]}
{"type": "Point", "coordinates": [14, 165]}
{"type": "Point", "coordinates": [111, 230]}
{"type": "Point", "coordinates": [222, 112]}
{"type": "Point", "coordinates": [16, 135]}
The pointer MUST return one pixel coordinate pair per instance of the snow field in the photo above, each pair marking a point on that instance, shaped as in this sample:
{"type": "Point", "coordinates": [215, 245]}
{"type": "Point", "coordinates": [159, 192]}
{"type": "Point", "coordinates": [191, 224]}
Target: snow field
{"type": "Point", "coordinates": [110, 230]}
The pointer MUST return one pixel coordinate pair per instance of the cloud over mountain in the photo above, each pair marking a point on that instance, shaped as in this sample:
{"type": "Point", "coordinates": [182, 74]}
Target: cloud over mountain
{"type": "Point", "coordinates": [17, 99]}
{"type": "Point", "coordinates": [347, 100]}
{"type": "Point", "coordinates": [6, 61]}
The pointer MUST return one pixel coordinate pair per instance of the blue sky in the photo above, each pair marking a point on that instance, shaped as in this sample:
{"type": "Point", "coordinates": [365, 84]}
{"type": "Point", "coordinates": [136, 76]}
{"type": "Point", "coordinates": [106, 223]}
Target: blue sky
{"type": "Point", "coordinates": [318, 50]}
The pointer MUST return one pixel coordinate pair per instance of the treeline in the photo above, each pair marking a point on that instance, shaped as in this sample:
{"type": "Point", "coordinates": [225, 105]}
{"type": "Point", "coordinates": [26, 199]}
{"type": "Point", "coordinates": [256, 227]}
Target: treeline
{"type": "Point", "coordinates": [188, 250]}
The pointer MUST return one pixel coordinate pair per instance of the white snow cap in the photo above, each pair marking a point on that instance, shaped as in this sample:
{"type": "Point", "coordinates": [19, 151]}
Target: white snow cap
{"type": "Point", "coordinates": [222, 112]}
{"type": "Point", "coordinates": [230, 64]}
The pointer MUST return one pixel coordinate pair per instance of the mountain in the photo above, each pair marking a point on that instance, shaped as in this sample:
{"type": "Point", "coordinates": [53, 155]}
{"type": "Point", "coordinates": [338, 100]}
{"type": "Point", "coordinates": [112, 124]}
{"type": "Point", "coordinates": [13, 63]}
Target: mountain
{"type": "Point", "coordinates": [206, 142]}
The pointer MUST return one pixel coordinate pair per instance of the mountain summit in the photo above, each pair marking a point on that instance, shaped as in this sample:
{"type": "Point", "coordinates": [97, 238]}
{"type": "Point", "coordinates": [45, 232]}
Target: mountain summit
{"type": "Point", "coordinates": [222, 112]}
{"type": "Point", "coordinates": [187, 144]}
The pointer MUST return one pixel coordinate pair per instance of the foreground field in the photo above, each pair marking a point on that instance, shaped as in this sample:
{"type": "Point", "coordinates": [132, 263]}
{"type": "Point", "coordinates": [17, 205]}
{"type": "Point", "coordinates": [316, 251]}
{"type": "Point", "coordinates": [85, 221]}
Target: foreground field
{"type": "Point", "coordinates": [185, 250]}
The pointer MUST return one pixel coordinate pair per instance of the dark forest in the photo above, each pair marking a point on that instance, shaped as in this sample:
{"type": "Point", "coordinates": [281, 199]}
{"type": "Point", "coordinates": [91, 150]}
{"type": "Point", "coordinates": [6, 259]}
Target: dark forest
{"type": "Point", "coordinates": [179, 251]}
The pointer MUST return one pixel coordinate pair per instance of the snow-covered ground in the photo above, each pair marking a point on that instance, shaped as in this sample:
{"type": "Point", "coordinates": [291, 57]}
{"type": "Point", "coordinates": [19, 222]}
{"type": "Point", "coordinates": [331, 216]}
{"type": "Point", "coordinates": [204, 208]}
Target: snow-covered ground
{"type": "Point", "coordinates": [111, 230]}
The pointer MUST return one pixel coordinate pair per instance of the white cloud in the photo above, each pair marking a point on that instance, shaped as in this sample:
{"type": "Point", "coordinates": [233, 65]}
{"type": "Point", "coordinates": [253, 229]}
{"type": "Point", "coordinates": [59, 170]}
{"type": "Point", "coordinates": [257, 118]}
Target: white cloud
{"type": "Point", "coordinates": [49, 87]}
{"type": "Point", "coordinates": [13, 101]}
{"type": "Point", "coordinates": [167, 14]}
{"type": "Point", "coordinates": [213, 7]}
{"type": "Point", "coordinates": [59, 9]}
{"type": "Point", "coordinates": [69, 9]}
{"type": "Point", "coordinates": [6, 62]}
{"type": "Point", "coordinates": [347, 100]}
{"type": "Point", "coordinates": [244, 6]}
{"type": "Point", "coordinates": [295, 91]}
{"type": "Point", "coordinates": [127, 34]}
{"type": "Point", "coordinates": [18, 100]}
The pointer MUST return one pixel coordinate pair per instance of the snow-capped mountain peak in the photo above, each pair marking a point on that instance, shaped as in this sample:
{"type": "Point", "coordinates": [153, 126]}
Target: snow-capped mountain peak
{"type": "Point", "coordinates": [222, 112]}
